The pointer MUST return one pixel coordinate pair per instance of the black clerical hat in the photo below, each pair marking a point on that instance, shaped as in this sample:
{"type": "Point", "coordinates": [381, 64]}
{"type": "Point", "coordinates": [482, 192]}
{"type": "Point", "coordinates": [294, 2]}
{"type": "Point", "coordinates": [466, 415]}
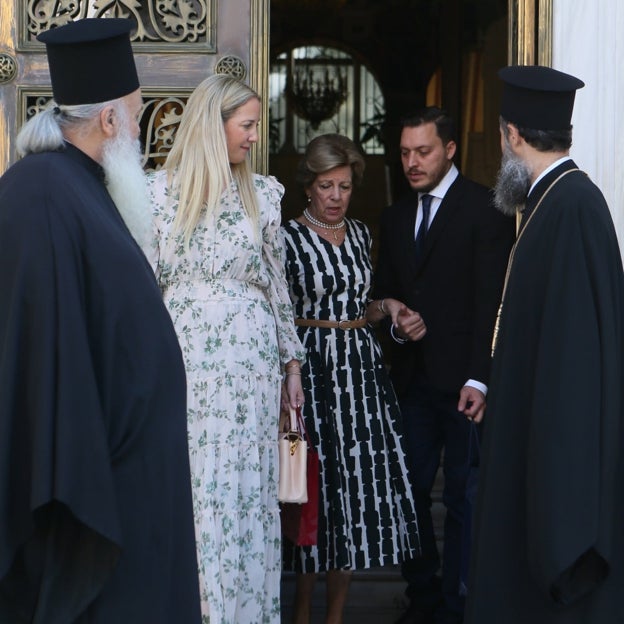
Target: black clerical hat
{"type": "Point", "coordinates": [536, 97]}
{"type": "Point", "coordinates": [91, 60]}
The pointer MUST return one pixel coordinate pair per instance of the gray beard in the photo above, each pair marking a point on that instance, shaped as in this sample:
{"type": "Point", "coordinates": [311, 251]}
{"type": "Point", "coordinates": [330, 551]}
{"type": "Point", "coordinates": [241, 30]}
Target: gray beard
{"type": "Point", "coordinates": [127, 185]}
{"type": "Point", "coordinates": [512, 184]}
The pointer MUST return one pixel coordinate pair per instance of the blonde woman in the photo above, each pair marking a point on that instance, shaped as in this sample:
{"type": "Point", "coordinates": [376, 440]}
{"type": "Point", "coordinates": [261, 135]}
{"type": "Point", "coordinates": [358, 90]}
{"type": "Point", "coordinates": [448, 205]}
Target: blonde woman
{"type": "Point", "coordinates": [218, 260]}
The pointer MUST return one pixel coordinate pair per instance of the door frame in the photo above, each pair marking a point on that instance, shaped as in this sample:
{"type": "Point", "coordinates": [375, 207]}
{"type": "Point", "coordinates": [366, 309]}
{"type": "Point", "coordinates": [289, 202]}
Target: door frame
{"type": "Point", "coordinates": [530, 31]}
{"type": "Point", "coordinates": [530, 27]}
{"type": "Point", "coordinates": [259, 78]}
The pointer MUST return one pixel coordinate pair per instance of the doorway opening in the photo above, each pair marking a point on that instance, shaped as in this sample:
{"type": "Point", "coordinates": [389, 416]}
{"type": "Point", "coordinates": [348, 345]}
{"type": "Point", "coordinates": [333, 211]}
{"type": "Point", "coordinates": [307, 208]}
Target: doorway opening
{"type": "Point", "coordinates": [392, 57]}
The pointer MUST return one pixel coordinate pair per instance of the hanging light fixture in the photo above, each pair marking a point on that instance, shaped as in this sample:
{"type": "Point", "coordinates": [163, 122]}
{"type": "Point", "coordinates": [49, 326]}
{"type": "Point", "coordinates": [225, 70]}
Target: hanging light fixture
{"type": "Point", "coordinates": [316, 95]}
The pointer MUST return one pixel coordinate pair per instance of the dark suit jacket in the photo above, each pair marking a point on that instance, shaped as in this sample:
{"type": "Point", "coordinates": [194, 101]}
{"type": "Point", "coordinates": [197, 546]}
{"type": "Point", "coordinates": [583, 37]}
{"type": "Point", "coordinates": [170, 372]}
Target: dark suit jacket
{"type": "Point", "coordinates": [456, 285]}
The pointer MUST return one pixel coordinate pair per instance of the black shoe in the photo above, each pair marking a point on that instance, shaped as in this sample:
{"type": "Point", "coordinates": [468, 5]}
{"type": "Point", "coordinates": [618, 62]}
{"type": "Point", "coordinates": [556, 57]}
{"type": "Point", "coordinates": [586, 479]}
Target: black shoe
{"type": "Point", "coordinates": [415, 615]}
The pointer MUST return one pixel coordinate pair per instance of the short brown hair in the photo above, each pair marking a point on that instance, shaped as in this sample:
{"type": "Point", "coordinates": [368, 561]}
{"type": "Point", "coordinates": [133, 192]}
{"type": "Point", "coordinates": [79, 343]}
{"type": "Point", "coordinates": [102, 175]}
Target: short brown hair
{"type": "Point", "coordinates": [326, 152]}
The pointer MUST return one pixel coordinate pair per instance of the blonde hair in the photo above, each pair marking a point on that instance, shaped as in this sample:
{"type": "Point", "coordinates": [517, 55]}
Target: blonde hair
{"type": "Point", "coordinates": [199, 156]}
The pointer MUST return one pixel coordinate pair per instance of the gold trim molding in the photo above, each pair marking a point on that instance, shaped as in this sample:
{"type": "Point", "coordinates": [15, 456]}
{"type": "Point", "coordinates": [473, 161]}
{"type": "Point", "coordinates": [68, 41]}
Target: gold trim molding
{"type": "Point", "coordinates": [259, 78]}
{"type": "Point", "coordinates": [530, 32]}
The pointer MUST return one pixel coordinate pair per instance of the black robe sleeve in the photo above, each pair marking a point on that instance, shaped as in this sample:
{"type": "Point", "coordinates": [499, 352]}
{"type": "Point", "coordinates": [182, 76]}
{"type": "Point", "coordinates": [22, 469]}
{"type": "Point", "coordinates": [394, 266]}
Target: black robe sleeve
{"type": "Point", "coordinates": [56, 484]}
{"type": "Point", "coordinates": [574, 436]}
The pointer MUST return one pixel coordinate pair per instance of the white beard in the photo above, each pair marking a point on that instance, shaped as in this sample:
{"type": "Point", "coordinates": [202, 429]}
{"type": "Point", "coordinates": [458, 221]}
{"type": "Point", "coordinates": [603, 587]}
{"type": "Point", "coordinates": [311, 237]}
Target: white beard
{"type": "Point", "coordinates": [126, 183]}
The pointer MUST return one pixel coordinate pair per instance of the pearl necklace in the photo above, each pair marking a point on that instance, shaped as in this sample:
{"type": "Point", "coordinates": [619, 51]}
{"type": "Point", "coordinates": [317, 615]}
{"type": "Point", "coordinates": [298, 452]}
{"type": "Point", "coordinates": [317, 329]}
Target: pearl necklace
{"type": "Point", "coordinates": [334, 227]}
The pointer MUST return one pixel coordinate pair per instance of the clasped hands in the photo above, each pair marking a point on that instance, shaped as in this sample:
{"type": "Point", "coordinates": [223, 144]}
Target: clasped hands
{"type": "Point", "coordinates": [408, 324]}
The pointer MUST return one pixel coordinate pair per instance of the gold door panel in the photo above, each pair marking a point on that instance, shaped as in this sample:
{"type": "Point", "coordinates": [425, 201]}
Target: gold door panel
{"type": "Point", "coordinates": [176, 45]}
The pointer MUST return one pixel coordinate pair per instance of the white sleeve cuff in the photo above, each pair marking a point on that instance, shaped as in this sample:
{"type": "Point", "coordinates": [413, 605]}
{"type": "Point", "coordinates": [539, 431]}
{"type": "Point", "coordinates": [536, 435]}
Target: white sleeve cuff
{"type": "Point", "coordinates": [473, 383]}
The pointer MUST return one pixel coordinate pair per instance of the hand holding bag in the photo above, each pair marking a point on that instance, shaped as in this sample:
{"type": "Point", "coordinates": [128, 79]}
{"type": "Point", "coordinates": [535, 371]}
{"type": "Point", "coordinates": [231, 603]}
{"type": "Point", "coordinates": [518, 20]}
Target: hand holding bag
{"type": "Point", "coordinates": [293, 451]}
{"type": "Point", "coordinates": [300, 520]}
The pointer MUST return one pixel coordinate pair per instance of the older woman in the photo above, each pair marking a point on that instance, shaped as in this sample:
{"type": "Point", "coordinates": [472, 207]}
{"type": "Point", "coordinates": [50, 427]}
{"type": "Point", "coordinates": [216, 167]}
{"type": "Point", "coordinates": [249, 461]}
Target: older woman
{"type": "Point", "coordinates": [366, 512]}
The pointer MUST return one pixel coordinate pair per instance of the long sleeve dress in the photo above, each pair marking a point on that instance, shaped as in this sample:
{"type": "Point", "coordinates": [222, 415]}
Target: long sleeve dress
{"type": "Point", "coordinates": [229, 302]}
{"type": "Point", "coordinates": [366, 516]}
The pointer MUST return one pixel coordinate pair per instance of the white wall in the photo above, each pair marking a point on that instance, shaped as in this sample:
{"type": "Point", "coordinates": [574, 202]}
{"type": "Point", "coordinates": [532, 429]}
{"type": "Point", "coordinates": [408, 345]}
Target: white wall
{"type": "Point", "coordinates": [588, 43]}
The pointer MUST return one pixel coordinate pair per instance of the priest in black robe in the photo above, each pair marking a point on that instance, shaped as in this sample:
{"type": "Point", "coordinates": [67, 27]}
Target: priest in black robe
{"type": "Point", "coordinates": [96, 518]}
{"type": "Point", "coordinates": [549, 539]}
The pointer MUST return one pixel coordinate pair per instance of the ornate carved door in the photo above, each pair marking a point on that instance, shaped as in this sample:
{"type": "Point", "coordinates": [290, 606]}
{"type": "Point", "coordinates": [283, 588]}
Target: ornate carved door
{"type": "Point", "coordinates": [177, 43]}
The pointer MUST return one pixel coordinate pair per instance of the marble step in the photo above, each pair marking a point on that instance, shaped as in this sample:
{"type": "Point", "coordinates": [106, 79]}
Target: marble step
{"type": "Point", "coordinates": [376, 596]}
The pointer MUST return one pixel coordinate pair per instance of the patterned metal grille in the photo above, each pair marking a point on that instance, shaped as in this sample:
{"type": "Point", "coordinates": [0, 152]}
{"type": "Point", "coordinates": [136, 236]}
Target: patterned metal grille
{"type": "Point", "coordinates": [159, 121]}
{"type": "Point", "coordinates": [8, 68]}
{"type": "Point", "coordinates": [162, 25]}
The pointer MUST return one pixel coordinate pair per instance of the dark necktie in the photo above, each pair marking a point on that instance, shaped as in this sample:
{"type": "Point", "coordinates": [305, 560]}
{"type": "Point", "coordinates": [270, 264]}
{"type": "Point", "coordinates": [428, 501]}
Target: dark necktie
{"type": "Point", "coordinates": [424, 224]}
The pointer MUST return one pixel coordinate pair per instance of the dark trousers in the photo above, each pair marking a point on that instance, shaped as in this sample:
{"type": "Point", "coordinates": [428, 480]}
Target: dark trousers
{"type": "Point", "coordinates": [431, 423]}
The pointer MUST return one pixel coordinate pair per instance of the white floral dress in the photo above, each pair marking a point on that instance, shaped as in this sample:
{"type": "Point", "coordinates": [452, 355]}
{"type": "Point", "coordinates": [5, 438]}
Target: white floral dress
{"type": "Point", "coordinates": [229, 302]}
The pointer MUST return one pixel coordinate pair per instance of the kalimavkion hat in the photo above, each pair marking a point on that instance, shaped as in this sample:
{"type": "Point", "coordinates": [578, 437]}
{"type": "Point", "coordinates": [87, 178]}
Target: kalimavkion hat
{"type": "Point", "coordinates": [91, 60]}
{"type": "Point", "coordinates": [536, 97]}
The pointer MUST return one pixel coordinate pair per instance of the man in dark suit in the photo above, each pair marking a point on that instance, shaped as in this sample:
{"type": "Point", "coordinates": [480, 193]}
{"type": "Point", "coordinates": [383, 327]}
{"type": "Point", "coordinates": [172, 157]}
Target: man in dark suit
{"type": "Point", "coordinates": [442, 259]}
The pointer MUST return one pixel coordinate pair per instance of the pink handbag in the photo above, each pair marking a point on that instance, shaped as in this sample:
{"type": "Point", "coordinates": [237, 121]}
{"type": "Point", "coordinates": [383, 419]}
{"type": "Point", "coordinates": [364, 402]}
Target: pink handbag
{"type": "Point", "coordinates": [299, 518]}
{"type": "Point", "coordinates": [293, 452]}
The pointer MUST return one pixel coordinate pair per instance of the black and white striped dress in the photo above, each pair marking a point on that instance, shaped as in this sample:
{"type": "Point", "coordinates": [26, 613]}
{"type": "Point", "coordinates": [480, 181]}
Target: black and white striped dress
{"type": "Point", "coordinates": [366, 509]}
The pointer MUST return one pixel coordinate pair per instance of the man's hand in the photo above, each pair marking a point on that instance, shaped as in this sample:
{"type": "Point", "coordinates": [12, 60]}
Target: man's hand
{"type": "Point", "coordinates": [471, 403]}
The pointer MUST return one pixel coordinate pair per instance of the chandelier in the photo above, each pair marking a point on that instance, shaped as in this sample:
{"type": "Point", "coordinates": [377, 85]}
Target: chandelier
{"type": "Point", "coordinates": [316, 96]}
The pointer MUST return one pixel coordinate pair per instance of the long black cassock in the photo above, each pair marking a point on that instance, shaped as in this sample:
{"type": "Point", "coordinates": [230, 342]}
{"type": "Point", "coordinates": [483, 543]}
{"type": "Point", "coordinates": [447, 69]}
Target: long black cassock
{"type": "Point", "coordinates": [549, 540]}
{"type": "Point", "coordinates": [95, 501]}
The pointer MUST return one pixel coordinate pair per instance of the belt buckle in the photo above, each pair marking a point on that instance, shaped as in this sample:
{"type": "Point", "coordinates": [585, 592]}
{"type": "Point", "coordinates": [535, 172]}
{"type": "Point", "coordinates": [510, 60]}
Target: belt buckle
{"type": "Point", "coordinates": [341, 326]}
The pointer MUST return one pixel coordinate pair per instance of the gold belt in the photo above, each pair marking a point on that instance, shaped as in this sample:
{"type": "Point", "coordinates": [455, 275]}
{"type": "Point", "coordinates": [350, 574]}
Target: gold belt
{"type": "Point", "coordinates": [354, 324]}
